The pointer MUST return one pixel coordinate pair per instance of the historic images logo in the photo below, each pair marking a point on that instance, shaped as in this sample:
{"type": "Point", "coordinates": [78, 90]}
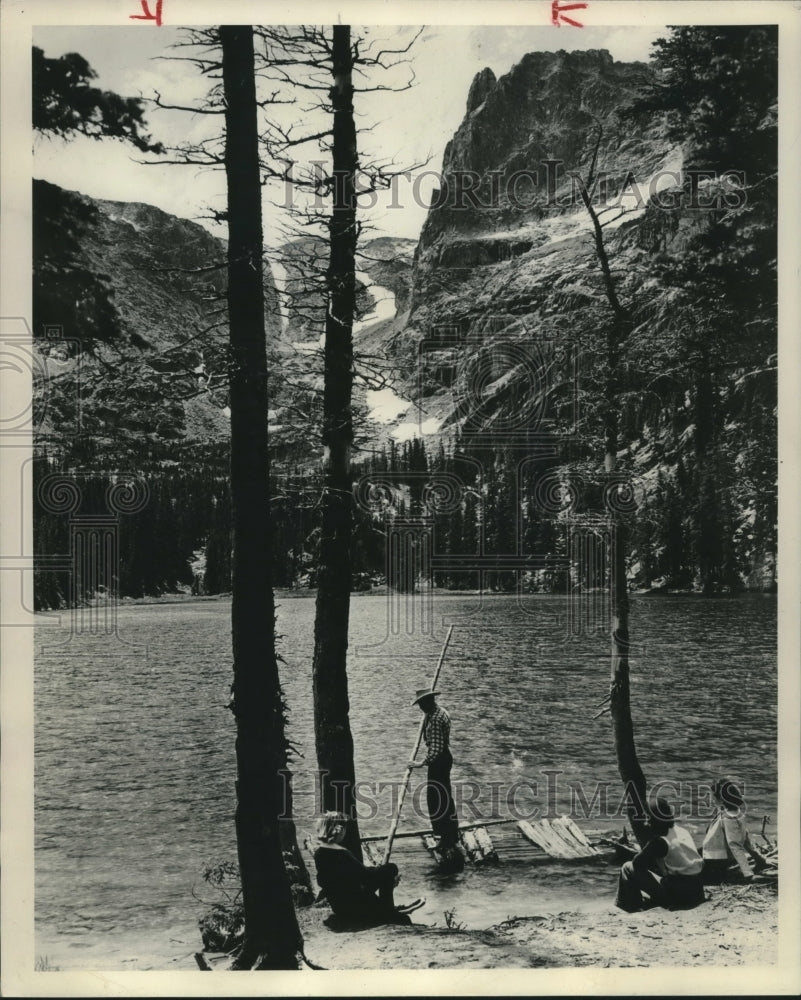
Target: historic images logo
{"type": "Point", "coordinates": [91, 564]}
{"type": "Point", "coordinates": [548, 185]}
{"type": "Point", "coordinates": [547, 794]}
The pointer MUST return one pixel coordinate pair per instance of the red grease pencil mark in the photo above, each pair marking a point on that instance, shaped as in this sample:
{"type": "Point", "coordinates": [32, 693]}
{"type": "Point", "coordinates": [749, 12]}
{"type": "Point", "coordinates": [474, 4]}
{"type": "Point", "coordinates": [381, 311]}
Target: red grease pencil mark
{"type": "Point", "coordinates": [147, 16]}
{"type": "Point", "coordinates": [557, 16]}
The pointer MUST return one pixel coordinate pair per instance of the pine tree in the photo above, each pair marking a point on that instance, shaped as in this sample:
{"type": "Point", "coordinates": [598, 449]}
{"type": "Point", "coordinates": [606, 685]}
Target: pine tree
{"type": "Point", "coordinates": [333, 738]}
{"type": "Point", "coordinates": [272, 936]}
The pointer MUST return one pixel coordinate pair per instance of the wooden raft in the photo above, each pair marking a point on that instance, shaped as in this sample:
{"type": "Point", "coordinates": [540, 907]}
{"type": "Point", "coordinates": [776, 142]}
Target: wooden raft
{"type": "Point", "coordinates": [558, 838]}
{"type": "Point", "coordinates": [475, 842]}
{"type": "Point", "coordinates": [474, 839]}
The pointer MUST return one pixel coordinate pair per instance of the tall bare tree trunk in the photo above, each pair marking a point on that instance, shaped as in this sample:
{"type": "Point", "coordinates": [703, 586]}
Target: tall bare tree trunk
{"type": "Point", "coordinates": [333, 738]}
{"type": "Point", "coordinates": [272, 937]}
{"type": "Point", "coordinates": [620, 696]}
{"type": "Point", "coordinates": [620, 701]}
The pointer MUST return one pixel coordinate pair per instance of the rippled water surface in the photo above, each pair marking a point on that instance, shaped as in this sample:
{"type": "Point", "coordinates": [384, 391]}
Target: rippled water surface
{"type": "Point", "coordinates": [135, 756]}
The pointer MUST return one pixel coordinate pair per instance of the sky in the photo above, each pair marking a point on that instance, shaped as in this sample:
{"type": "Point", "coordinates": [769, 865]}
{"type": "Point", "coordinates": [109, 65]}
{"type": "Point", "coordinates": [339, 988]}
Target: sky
{"type": "Point", "coordinates": [410, 127]}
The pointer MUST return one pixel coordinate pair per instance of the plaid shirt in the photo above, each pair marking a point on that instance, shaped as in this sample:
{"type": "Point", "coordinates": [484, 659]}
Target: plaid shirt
{"type": "Point", "coordinates": [436, 733]}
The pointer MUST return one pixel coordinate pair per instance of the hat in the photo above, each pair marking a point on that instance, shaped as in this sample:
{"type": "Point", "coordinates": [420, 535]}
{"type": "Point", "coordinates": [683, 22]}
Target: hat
{"type": "Point", "coordinates": [424, 693]}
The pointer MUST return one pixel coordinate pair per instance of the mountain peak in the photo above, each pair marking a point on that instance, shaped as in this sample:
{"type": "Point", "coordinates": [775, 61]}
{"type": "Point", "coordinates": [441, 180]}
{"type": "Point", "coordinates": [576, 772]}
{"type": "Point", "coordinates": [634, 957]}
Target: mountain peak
{"type": "Point", "coordinates": [482, 84]}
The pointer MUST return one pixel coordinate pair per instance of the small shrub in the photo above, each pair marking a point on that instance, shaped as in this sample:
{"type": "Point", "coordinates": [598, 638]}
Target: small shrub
{"type": "Point", "coordinates": [223, 927]}
{"type": "Point", "coordinates": [451, 922]}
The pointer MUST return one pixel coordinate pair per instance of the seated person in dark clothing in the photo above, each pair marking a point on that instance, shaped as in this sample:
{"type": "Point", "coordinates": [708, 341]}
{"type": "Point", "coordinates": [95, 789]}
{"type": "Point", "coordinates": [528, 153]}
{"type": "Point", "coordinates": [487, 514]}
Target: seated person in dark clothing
{"type": "Point", "coordinates": [360, 896]}
{"type": "Point", "coordinates": [668, 868]}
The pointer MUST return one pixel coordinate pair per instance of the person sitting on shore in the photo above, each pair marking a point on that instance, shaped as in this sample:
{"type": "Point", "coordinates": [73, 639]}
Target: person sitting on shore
{"type": "Point", "coordinates": [727, 846]}
{"type": "Point", "coordinates": [360, 896]}
{"type": "Point", "coordinates": [668, 868]}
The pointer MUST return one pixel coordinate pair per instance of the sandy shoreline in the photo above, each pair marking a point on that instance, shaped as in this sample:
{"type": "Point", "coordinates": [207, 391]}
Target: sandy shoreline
{"type": "Point", "coordinates": [736, 926]}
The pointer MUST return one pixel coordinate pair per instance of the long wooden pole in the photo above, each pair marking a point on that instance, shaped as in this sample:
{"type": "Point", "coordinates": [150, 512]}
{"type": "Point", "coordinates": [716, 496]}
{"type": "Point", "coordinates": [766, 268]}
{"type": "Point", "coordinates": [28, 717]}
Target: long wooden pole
{"type": "Point", "coordinates": [396, 818]}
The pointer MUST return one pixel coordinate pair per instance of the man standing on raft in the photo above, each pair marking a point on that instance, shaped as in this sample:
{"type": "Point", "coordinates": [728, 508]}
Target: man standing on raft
{"type": "Point", "coordinates": [438, 759]}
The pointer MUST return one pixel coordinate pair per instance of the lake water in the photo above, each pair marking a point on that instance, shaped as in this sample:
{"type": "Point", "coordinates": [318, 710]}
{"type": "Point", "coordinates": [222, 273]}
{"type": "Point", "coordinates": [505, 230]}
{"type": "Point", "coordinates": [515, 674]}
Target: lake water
{"type": "Point", "coordinates": [134, 786]}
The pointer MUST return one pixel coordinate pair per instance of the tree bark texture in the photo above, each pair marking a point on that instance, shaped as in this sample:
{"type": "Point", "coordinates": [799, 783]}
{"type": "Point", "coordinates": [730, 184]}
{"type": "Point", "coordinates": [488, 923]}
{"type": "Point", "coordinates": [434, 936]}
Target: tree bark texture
{"type": "Point", "coordinates": [334, 742]}
{"type": "Point", "coordinates": [272, 937]}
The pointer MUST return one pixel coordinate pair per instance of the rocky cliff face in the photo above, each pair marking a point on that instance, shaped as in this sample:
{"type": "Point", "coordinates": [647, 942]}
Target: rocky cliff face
{"type": "Point", "coordinates": [508, 243]}
{"type": "Point", "coordinates": [508, 261]}
{"type": "Point", "coordinates": [507, 173]}
{"type": "Point", "coordinates": [544, 110]}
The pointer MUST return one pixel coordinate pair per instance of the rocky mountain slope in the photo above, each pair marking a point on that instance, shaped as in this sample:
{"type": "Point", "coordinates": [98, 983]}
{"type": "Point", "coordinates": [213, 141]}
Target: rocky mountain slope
{"type": "Point", "coordinates": [129, 311]}
{"type": "Point", "coordinates": [507, 279]}
{"type": "Point", "coordinates": [129, 308]}
{"type": "Point", "coordinates": [519, 255]}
